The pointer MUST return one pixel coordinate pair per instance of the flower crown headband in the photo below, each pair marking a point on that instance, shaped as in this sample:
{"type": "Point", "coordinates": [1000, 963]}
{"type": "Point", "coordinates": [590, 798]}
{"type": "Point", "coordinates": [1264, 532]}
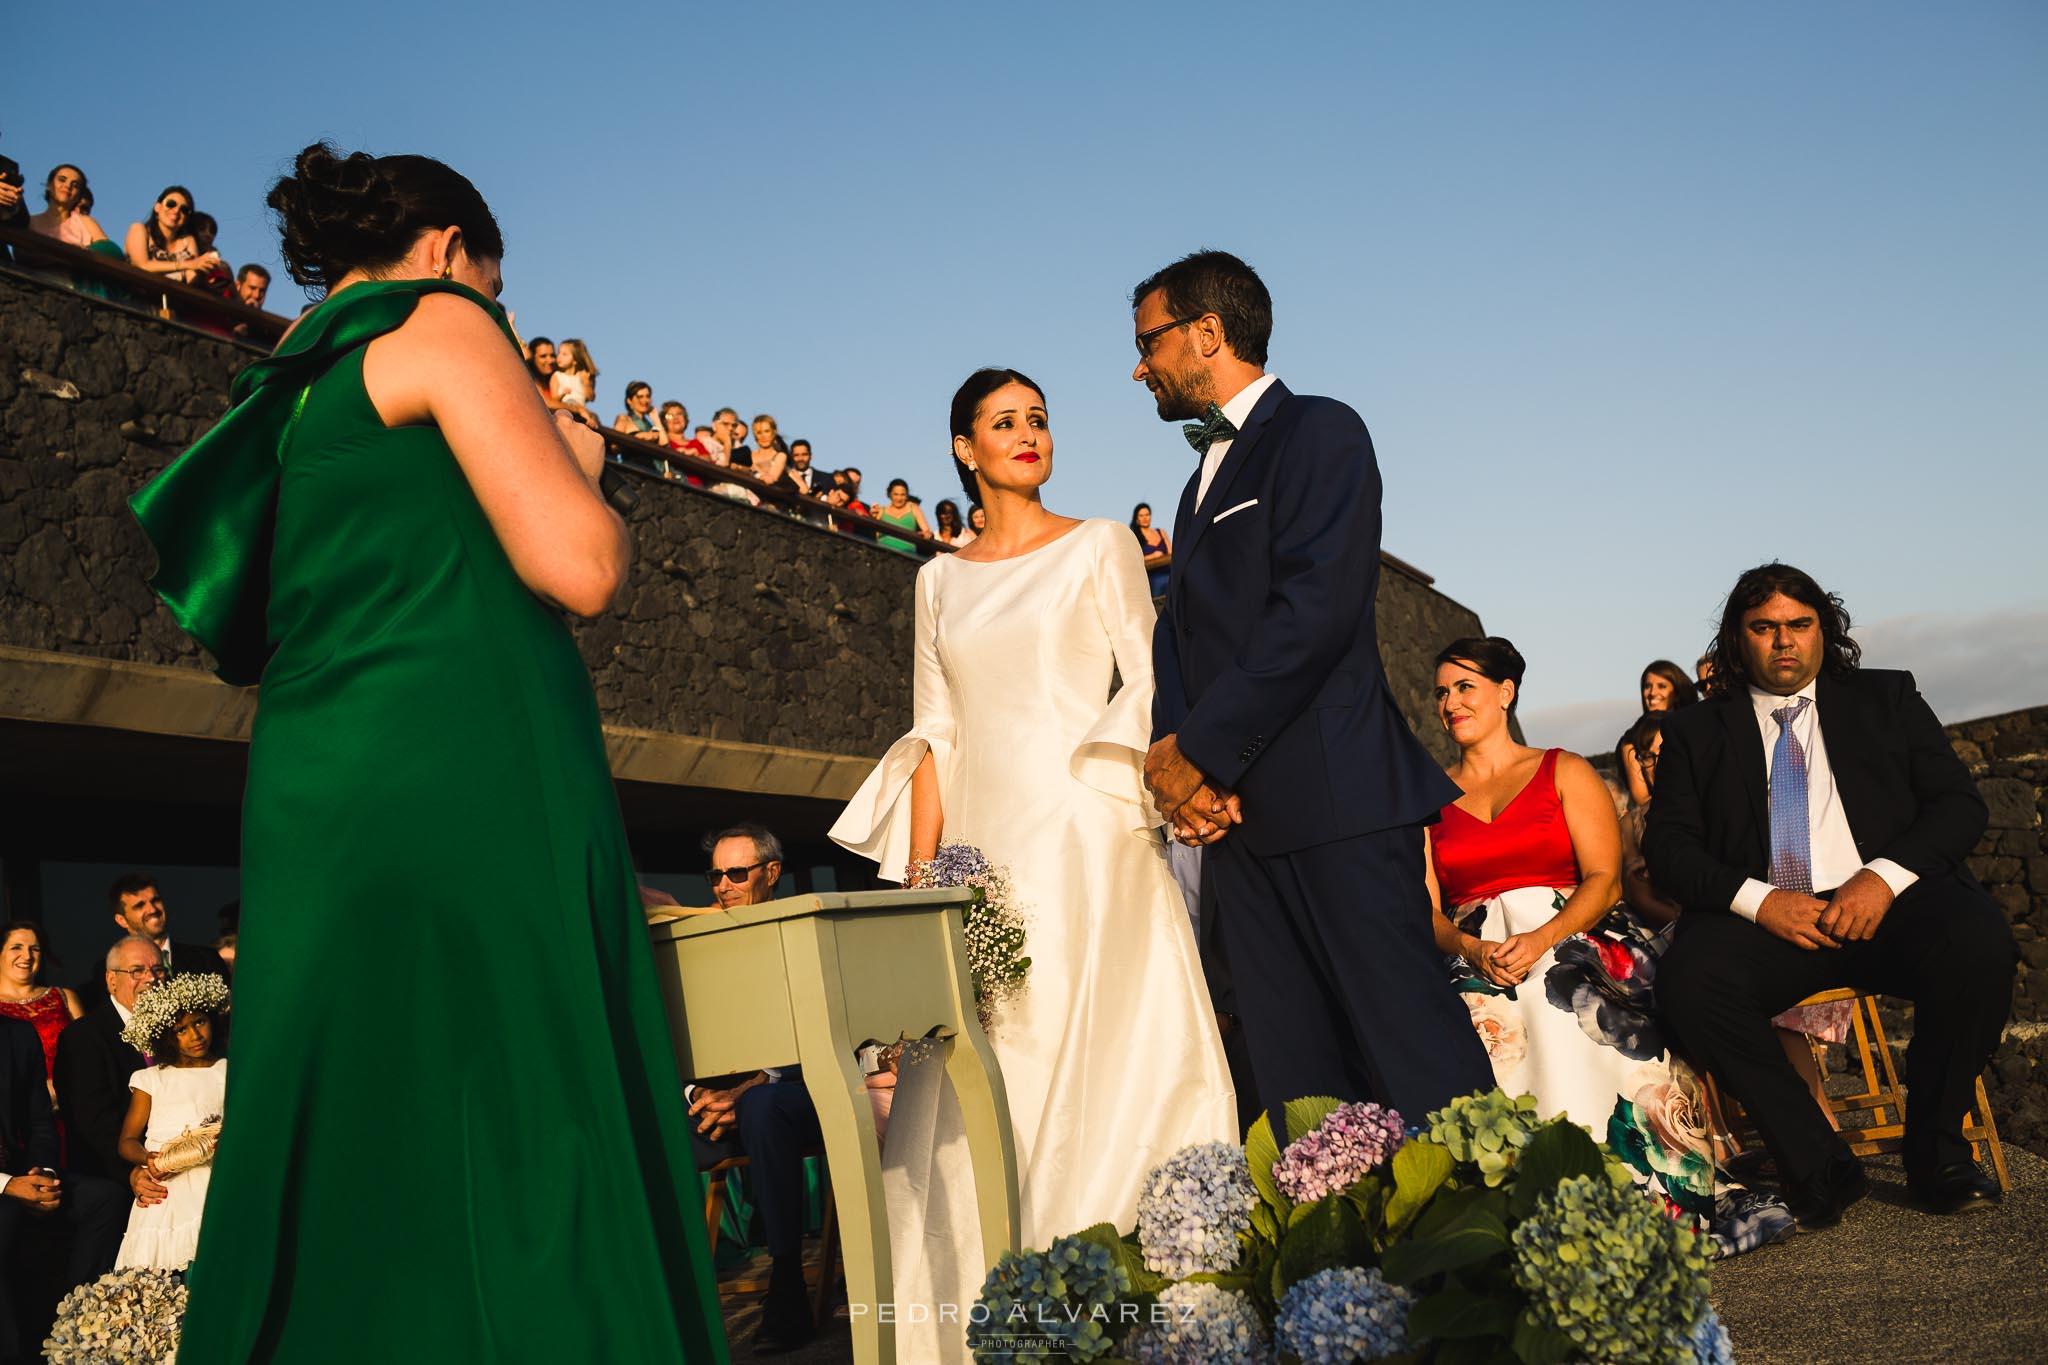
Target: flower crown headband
{"type": "Point", "coordinates": [158, 1009]}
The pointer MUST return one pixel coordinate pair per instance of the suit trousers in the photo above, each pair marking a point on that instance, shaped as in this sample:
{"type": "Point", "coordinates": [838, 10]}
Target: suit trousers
{"type": "Point", "coordinates": [1943, 945]}
{"type": "Point", "coordinates": [1336, 978]}
{"type": "Point", "coordinates": [80, 1240]}
{"type": "Point", "coordinates": [776, 1124]}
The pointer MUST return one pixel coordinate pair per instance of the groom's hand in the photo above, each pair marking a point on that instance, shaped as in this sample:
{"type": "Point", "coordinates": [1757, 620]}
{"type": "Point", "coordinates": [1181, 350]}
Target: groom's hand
{"type": "Point", "coordinates": [1207, 816]}
{"type": "Point", "coordinates": [1169, 776]}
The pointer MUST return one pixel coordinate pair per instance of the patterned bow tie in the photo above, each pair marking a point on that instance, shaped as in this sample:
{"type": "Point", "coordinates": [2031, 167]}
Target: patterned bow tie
{"type": "Point", "coordinates": [1213, 427]}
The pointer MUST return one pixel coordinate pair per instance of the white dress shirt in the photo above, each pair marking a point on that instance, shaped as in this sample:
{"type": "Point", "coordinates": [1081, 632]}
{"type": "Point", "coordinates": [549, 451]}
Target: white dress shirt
{"type": "Point", "coordinates": [1830, 841]}
{"type": "Point", "coordinates": [1237, 409]}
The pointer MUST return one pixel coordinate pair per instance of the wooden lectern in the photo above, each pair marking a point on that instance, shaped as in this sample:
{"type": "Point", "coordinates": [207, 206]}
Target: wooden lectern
{"type": "Point", "coordinates": [805, 981]}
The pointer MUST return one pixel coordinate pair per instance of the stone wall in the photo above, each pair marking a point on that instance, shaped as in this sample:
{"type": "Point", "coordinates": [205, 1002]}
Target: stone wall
{"type": "Point", "coordinates": [738, 624]}
{"type": "Point", "coordinates": [2008, 755]}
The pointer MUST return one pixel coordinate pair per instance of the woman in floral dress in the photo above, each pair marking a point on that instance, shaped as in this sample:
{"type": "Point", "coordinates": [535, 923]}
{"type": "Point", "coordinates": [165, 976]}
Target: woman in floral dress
{"type": "Point", "coordinates": [1525, 867]}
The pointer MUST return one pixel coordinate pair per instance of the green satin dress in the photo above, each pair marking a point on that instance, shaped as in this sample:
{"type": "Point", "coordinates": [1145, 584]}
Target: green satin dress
{"type": "Point", "coordinates": [455, 1131]}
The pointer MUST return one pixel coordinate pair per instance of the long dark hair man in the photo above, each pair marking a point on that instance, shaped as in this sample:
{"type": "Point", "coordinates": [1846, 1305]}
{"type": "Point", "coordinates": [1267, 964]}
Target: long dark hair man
{"type": "Point", "coordinates": [1813, 821]}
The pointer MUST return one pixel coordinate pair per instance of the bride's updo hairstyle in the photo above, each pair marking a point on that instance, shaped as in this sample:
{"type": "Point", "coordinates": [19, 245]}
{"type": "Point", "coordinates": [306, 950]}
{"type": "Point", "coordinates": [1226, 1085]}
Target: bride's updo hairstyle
{"type": "Point", "coordinates": [967, 401]}
{"type": "Point", "coordinates": [1492, 658]}
{"type": "Point", "coordinates": [361, 212]}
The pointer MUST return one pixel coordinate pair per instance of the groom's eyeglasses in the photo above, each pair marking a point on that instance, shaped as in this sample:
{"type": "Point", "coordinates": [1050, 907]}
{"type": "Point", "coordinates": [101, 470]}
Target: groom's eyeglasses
{"type": "Point", "coordinates": [1145, 338]}
{"type": "Point", "coordinates": [716, 875]}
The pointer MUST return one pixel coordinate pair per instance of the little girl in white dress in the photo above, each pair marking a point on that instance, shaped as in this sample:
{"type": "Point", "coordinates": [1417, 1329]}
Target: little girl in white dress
{"type": "Point", "coordinates": [176, 1023]}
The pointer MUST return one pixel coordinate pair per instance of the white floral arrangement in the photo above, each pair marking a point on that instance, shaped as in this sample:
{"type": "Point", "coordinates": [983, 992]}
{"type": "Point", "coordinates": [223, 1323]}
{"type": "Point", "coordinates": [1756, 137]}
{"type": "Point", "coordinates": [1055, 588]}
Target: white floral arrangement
{"type": "Point", "coordinates": [127, 1317]}
{"type": "Point", "coordinates": [994, 924]}
{"type": "Point", "coordinates": [158, 1009]}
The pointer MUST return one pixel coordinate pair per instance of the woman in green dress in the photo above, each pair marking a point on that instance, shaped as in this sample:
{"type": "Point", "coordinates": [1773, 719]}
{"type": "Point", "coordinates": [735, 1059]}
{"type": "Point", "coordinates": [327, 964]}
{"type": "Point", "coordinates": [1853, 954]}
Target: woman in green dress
{"type": "Point", "coordinates": [458, 1128]}
{"type": "Point", "coordinates": [901, 511]}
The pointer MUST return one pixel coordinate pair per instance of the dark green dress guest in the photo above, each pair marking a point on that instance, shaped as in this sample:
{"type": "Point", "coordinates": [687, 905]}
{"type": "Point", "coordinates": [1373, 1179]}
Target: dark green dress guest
{"type": "Point", "coordinates": [455, 1130]}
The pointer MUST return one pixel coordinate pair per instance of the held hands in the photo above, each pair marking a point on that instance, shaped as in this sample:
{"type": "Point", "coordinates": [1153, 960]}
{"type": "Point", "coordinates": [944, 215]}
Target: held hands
{"type": "Point", "coordinates": [147, 1183]}
{"type": "Point", "coordinates": [1796, 917]}
{"type": "Point", "coordinates": [39, 1189]}
{"type": "Point", "coordinates": [1517, 953]}
{"type": "Point", "coordinates": [1201, 812]}
{"type": "Point", "coordinates": [717, 1111]}
{"type": "Point", "coordinates": [1858, 907]}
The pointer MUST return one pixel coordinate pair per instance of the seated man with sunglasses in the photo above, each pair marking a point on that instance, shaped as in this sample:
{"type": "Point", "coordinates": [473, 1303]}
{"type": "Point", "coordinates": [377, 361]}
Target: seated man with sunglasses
{"type": "Point", "coordinates": [766, 1117]}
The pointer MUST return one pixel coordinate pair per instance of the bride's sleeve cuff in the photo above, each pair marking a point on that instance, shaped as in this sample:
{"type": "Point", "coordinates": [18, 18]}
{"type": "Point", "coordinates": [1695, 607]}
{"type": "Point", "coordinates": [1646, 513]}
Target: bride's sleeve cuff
{"type": "Point", "coordinates": [1111, 757]}
{"type": "Point", "coordinates": [876, 822]}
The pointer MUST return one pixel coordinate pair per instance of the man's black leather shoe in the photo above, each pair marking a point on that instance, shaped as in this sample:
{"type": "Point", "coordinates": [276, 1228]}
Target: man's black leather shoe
{"type": "Point", "coordinates": [1959, 1187]}
{"type": "Point", "coordinates": [1819, 1201]}
{"type": "Point", "coordinates": [785, 1314]}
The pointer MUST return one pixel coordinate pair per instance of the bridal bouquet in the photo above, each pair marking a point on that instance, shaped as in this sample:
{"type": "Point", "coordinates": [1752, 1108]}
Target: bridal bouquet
{"type": "Point", "coordinates": [1485, 1235]}
{"type": "Point", "coordinates": [127, 1317]}
{"type": "Point", "coordinates": [994, 927]}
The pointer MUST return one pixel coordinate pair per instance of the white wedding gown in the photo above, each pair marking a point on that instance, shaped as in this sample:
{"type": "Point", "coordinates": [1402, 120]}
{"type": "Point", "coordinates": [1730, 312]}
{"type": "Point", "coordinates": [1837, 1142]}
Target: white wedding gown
{"type": "Point", "coordinates": [1109, 1054]}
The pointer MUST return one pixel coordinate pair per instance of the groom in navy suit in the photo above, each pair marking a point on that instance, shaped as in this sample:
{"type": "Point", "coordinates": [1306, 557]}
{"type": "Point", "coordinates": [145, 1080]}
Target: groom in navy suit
{"type": "Point", "coordinates": [1275, 739]}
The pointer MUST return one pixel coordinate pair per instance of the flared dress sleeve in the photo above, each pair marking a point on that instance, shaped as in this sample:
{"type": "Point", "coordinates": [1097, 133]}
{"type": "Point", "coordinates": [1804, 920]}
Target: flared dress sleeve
{"type": "Point", "coordinates": [876, 822]}
{"type": "Point", "coordinates": [1111, 757]}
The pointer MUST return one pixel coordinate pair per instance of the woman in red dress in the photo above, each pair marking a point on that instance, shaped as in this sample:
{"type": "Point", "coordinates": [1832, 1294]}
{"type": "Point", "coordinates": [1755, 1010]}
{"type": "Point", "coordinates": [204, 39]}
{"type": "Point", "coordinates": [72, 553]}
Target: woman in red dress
{"type": "Point", "coordinates": [1525, 868]}
{"type": "Point", "coordinates": [50, 1008]}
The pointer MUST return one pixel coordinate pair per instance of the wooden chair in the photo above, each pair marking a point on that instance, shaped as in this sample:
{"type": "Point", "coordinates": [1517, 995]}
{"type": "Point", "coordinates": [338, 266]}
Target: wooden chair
{"type": "Point", "coordinates": [714, 1214]}
{"type": "Point", "coordinates": [1882, 1098]}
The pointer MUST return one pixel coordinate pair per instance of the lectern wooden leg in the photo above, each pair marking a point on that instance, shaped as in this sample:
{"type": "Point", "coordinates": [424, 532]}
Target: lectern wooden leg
{"type": "Point", "coordinates": [978, 1084]}
{"type": "Point", "coordinates": [846, 1123]}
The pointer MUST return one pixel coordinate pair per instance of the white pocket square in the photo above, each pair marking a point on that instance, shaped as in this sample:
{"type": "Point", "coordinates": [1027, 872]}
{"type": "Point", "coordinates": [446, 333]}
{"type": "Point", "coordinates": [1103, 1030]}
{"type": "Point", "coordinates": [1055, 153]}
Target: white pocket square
{"type": "Point", "coordinates": [1233, 511]}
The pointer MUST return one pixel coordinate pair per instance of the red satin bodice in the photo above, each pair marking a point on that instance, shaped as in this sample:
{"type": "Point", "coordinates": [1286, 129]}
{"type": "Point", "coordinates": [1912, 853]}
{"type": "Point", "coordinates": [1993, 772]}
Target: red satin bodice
{"type": "Point", "coordinates": [50, 1017]}
{"type": "Point", "coordinates": [1528, 844]}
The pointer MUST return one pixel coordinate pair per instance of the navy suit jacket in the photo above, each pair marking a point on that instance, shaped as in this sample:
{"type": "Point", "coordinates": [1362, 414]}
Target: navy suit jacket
{"type": "Point", "coordinates": [1906, 794]}
{"type": "Point", "coordinates": [28, 1129]}
{"type": "Point", "coordinates": [1267, 655]}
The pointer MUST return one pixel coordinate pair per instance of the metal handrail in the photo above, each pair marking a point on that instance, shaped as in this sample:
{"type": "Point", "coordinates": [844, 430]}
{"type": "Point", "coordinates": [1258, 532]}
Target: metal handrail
{"type": "Point", "coordinates": [176, 302]}
{"type": "Point", "coordinates": [713, 472]}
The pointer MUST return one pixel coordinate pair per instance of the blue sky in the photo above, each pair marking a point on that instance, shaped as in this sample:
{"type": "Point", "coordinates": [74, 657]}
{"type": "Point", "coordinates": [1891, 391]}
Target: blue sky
{"type": "Point", "coordinates": [1631, 297]}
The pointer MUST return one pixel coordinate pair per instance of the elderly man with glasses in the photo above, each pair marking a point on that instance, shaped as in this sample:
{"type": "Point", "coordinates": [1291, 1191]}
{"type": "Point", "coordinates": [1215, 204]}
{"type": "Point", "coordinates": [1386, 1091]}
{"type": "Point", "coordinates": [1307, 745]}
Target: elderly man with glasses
{"type": "Point", "coordinates": [766, 1117]}
{"type": "Point", "coordinates": [94, 1064]}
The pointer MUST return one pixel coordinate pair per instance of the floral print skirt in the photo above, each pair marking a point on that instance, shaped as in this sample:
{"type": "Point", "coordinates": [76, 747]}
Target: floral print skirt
{"type": "Point", "coordinates": [1582, 1035]}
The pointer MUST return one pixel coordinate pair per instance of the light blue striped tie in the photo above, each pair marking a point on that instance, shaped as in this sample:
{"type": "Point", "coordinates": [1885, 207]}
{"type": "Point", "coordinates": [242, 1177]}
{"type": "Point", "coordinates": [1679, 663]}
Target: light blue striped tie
{"type": "Point", "coordinates": [1791, 840]}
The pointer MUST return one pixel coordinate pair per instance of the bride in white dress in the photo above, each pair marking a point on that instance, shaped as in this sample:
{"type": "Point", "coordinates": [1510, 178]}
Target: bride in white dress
{"type": "Point", "coordinates": [1110, 1053]}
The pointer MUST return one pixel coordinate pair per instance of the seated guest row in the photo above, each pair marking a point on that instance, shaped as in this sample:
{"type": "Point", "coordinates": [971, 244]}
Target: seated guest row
{"type": "Point", "coordinates": [1803, 828]}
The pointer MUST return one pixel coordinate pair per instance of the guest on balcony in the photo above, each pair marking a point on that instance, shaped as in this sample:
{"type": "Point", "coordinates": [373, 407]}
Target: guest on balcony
{"type": "Point", "coordinates": [950, 529]}
{"type": "Point", "coordinates": [771, 455]}
{"type": "Point", "coordinates": [252, 285]}
{"type": "Point", "coordinates": [901, 511]}
{"type": "Point", "coordinates": [575, 379]}
{"type": "Point", "coordinates": [68, 215]}
{"type": "Point", "coordinates": [637, 420]}
{"type": "Point", "coordinates": [163, 245]}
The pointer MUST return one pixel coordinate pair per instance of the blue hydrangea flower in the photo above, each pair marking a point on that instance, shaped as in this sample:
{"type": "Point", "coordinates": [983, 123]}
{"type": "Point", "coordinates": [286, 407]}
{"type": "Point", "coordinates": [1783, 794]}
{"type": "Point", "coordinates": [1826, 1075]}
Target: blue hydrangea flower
{"type": "Point", "coordinates": [1202, 1324]}
{"type": "Point", "coordinates": [1350, 1142]}
{"type": "Point", "coordinates": [1611, 1270]}
{"type": "Point", "coordinates": [1344, 1314]}
{"type": "Point", "coordinates": [1710, 1344]}
{"type": "Point", "coordinates": [955, 863]}
{"type": "Point", "coordinates": [1050, 1307]}
{"type": "Point", "coordinates": [1193, 1208]}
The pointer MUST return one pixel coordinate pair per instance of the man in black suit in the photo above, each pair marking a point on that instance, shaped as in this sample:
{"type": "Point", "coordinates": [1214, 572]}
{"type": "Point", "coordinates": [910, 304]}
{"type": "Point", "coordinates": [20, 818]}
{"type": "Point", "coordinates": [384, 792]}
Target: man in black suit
{"type": "Point", "coordinates": [94, 1063]}
{"type": "Point", "coordinates": [1813, 820]}
{"type": "Point", "coordinates": [1273, 728]}
{"type": "Point", "coordinates": [138, 908]}
{"type": "Point", "coordinates": [37, 1202]}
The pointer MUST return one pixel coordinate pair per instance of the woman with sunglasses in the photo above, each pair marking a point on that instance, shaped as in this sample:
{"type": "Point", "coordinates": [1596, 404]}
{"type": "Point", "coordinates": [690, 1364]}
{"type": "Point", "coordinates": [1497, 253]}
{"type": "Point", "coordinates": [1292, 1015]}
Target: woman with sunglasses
{"type": "Point", "coordinates": [163, 244]}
